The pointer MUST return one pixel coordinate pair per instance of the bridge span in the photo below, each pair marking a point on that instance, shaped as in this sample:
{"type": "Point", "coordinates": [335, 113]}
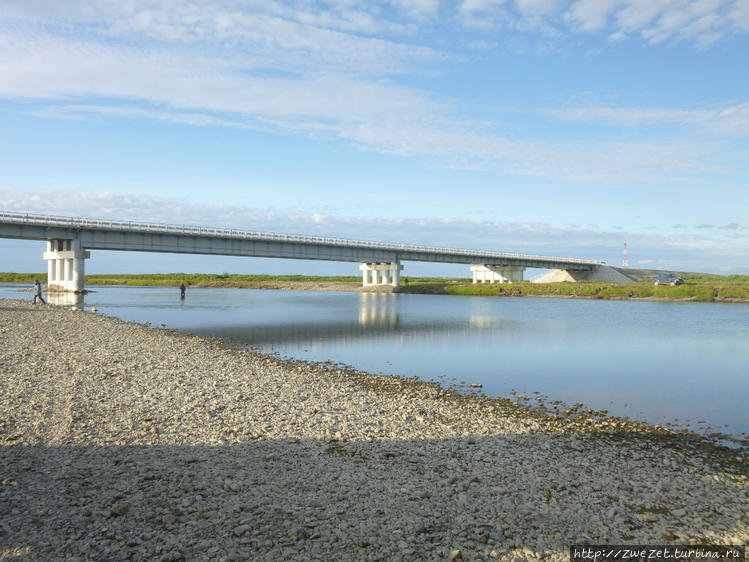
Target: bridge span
{"type": "Point", "coordinates": [70, 241]}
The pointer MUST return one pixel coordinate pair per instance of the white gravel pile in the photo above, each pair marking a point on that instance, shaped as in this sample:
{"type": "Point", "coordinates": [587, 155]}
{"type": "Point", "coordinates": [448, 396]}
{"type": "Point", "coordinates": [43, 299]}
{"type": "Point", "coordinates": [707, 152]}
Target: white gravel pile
{"type": "Point", "coordinates": [124, 442]}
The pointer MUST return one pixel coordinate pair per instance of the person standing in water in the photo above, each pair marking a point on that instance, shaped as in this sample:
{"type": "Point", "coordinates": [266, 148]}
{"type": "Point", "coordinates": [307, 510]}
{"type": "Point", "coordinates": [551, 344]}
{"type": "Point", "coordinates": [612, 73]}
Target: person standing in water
{"type": "Point", "coordinates": [182, 291]}
{"type": "Point", "coordinates": [38, 291]}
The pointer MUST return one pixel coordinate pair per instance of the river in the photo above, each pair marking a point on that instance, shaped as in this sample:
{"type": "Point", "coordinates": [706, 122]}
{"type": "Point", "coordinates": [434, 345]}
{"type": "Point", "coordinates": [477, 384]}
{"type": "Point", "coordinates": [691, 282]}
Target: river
{"type": "Point", "coordinates": [679, 363]}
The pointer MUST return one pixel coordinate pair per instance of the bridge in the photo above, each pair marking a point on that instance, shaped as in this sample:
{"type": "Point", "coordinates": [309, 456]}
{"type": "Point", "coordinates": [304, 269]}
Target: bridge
{"type": "Point", "coordinates": [70, 241]}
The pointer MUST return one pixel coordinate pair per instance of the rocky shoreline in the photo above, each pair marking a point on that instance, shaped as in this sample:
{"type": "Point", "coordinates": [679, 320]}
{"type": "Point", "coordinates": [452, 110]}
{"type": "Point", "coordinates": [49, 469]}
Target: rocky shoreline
{"type": "Point", "coordinates": [124, 442]}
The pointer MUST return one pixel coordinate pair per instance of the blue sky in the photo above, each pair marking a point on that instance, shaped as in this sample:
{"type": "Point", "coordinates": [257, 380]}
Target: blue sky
{"type": "Point", "coordinates": [556, 127]}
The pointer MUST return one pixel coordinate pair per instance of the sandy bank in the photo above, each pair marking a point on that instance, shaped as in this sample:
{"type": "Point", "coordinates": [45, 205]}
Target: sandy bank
{"type": "Point", "coordinates": [119, 441]}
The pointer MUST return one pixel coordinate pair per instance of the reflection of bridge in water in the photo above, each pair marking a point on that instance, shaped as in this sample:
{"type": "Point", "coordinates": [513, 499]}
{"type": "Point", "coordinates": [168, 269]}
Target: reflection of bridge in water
{"type": "Point", "coordinates": [342, 332]}
{"type": "Point", "coordinates": [378, 319]}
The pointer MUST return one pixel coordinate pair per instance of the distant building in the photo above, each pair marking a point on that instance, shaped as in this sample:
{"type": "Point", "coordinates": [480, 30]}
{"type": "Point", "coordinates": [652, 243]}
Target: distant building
{"type": "Point", "coordinates": [667, 279]}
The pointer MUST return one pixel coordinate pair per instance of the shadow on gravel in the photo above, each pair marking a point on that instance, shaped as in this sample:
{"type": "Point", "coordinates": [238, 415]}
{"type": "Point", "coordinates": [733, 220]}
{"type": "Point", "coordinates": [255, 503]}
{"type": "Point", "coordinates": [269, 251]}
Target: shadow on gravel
{"type": "Point", "coordinates": [383, 500]}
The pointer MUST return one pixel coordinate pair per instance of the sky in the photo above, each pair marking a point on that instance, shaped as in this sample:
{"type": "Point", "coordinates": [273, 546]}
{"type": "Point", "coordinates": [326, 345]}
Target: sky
{"type": "Point", "coordinates": [551, 127]}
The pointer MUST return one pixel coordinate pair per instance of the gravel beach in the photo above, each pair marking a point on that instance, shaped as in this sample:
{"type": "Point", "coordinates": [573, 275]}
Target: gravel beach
{"type": "Point", "coordinates": [125, 442]}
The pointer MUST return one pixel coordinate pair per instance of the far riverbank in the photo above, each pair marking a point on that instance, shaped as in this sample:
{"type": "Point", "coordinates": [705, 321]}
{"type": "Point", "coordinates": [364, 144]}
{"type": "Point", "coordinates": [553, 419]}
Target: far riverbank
{"type": "Point", "coordinates": [697, 287]}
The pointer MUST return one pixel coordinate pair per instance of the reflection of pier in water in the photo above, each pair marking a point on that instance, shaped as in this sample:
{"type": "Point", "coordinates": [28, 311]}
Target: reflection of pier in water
{"type": "Point", "coordinates": [65, 299]}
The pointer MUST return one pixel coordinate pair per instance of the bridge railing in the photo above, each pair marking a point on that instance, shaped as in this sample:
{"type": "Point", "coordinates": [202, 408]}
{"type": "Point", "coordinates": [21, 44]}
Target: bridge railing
{"type": "Point", "coordinates": [135, 226]}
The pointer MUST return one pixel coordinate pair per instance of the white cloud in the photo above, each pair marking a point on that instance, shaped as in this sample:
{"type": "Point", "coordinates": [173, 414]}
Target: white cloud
{"type": "Point", "coordinates": [320, 29]}
{"type": "Point", "coordinates": [637, 14]}
{"type": "Point", "coordinates": [722, 120]}
{"type": "Point", "coordinates": [617, 36]}
{"type": "Point", "coordinates": [538, 8]}
{"type": "Point", "coordinates": [486, 6]}
{"type": "Point", "coordinates": [482, 13]}
{"type": "Point", "coordinates": [739, 15]}
{"type": "Point", "coordinates": [605, 163]}
{"type": "Point", "coordinates": [79, 112]}
{"type": "Point", "coordinates": [58, 68]}
{"type": "Point", "coordinates": [702, 21]}
{"type": "Point", "coordinates": [591, 15]}
{"type": "Point", "coordinates": [272, 35]}
{"type": "Point", "coordinates": [417, 9]}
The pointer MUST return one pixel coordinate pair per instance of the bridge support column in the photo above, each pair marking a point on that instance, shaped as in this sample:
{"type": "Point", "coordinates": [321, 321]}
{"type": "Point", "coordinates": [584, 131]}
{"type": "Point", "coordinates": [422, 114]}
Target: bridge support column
{"type": "Point", "coordinates": [65, 265]}
{"type": "Point", "coordinates": [497, 273]}
{"type": "Point", "coordinates": [387, 273]}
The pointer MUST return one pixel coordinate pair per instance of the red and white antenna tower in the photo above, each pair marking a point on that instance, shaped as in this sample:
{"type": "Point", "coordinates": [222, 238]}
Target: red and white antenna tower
{"type": "Point", "coordinates": [625, 263]}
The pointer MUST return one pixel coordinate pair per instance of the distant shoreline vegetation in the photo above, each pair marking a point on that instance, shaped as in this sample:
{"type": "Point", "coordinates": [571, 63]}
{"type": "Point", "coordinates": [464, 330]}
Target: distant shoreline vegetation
{"type": "Point", "coordinates": [697, 287]}
{"type": "Point", "coordinates": [714, 289]}
{"type": "Point", "coordinates": [189, 279]}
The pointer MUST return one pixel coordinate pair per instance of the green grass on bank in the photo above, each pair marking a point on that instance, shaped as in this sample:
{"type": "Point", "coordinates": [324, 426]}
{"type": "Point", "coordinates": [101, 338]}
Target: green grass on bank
{"type": "Point", "coordinates": [703, 288]}
{"type": "Point", "coordinates": [697, 287]}
{"type": "Point", "coordinates": [22, 277]}
{"type": "Point", "coordinates": [209, 279]}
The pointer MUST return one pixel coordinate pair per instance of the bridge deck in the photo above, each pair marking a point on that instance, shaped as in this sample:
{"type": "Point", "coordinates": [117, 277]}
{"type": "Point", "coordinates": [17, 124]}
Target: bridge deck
{"type": "Point", "coordinates": [95, 234]}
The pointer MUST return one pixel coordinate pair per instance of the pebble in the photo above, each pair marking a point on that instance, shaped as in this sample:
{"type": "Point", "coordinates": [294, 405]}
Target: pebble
{"type": "Point", "coordinates": [120, 509]}
{"type": "Point", "coordinates": [242, 529]}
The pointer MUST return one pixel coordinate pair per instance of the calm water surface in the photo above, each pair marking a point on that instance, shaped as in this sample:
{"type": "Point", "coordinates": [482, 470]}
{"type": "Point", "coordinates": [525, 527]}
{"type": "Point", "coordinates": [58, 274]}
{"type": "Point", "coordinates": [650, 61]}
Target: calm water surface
{"type": "Point", "coordinates": [683, 363]}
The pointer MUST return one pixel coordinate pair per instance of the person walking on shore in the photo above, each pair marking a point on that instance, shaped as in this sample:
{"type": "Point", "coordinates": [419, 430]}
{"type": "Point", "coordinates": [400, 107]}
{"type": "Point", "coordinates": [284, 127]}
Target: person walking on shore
{"type": "Point", "coordinates": [38, 291]}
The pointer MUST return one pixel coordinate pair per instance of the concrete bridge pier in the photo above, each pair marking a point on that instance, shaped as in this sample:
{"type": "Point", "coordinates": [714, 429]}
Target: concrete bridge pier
{"type": "Point", "coordinates": [65, 265]}
{"type": "Point", "coordinates": [497, 273]}
{"type": "Point", "coordinates": [387, 273]}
